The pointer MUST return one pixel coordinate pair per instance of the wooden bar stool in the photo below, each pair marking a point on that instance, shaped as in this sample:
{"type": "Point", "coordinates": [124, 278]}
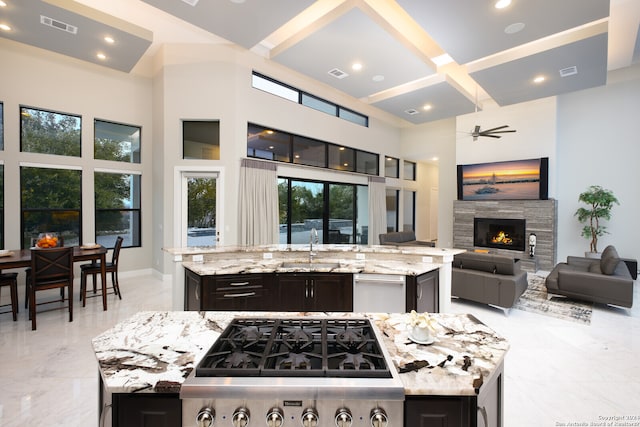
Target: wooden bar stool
{"type": "Point", "coordinates": [10, 279]}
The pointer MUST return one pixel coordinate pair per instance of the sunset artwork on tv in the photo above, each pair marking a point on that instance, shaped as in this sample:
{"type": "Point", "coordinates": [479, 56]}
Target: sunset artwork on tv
{"type": "Point", "coordinates": [511, 180]}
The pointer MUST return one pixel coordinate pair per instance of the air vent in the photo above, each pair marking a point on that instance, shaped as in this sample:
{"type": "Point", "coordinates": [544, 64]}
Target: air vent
{"type": "Point", "coordinates": [50, 22]}
{"type": "Point", "coordinates": [191, 2]}
{"type": "Point", "coordinates": [569, 71]}
{"type": "Point", "coordinates": [338, 74]}
{"type": "Point", "coordinates": [412, 111]}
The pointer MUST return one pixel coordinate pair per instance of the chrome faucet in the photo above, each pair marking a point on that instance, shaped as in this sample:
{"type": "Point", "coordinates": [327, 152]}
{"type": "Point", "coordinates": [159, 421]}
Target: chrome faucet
{"type": "Point", "coordinates": [313, 238]}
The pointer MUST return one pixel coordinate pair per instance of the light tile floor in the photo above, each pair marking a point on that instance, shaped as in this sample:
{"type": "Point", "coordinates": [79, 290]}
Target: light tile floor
{"type": "Point", "coordinates": [557, 372]}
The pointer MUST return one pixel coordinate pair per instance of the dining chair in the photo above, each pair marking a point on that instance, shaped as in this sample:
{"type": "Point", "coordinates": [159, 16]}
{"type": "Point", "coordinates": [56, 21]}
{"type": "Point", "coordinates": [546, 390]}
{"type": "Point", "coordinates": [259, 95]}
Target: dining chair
{"type": "Point", "coordinates": [93, 269]}
{"type": "Point", "coordinates": [51, 268]}
{"type": "Point", "coordinates": [10, 279]}
{"type": "Point", "coordinates": [34, 241]}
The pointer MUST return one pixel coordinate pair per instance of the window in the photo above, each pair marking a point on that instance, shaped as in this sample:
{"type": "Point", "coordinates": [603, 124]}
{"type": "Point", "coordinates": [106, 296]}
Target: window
{"type": "Point", "coordinates": [341, 158]}
{"type": "Point", "coordinates": [319, 104]}
{"type": "Point", "coordinates": [268, 144]}
{"type": "Point", "coordinates": [339, 212]}
{"type": "Point", "coordinates": [48, 132]}
{"type": "Point", "coordinates": [310, 152]}
{"type": "Point", "coordinates": [367, 163]}
{"type": "Point", "coordinates": [1, 126]}
{"type": "Point", "coordinates": [117, 202]}
{"type": "Point", "coordinates": [391, 167]}
{"type": "Point", "coordinates": [201, 139]}
{"type": "Point", "coordinates": [409, 210]}
{"type": "Point", "coordinates": [50, 202]}
{"type": "Point", "coordinates": [271, 144]}
{"type": "Point", "coordinates": [392, 209]}
{"type": "Point", "coordinates": [290, 93]}
{"type": "Point", "coordinates": [117, 142]}
{"type": "Point", "coordinates": [409, 169]}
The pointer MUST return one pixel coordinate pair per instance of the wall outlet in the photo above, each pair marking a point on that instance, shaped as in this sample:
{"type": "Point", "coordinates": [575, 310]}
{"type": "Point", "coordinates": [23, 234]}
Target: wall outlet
{"type": "Point", "coordinates": [359, 256]}
{"type": "Point", "coordinates": [198, 258]}
{"type": "Point", "coordinates": [267, 255]}
{"type": "Point", "coordinates": [427, 259]}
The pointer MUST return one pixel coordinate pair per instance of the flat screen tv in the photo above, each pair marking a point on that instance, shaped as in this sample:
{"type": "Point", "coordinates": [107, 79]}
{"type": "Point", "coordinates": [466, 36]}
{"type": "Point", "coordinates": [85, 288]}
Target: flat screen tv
{"type": "Point", "coordinates": [511, 180]}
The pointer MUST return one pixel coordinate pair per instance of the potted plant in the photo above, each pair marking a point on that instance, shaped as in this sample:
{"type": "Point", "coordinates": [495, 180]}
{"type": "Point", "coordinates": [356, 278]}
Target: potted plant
{"type": "Point", "coordinates": [599, 203]}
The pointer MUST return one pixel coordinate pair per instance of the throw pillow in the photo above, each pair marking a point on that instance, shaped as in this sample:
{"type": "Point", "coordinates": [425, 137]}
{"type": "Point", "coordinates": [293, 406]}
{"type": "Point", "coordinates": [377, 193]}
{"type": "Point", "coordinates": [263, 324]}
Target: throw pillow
{"type": "Point", "coordinates": [609, 260]}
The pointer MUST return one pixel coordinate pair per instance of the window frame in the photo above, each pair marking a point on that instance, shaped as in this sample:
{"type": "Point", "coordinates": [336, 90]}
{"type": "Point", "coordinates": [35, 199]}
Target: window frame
{"type": "Point", "coordinates": [111, 122]}
{"type": "Point", "coordinates": [21, 115]}
{"type": "Point", "coordinates": [137, 237]}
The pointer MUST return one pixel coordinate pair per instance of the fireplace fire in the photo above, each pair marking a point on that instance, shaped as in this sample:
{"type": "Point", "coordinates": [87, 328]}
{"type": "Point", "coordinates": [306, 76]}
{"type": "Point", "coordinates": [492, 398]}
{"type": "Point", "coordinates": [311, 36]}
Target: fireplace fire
{"type": "Point", "coordinates": [499, 233]}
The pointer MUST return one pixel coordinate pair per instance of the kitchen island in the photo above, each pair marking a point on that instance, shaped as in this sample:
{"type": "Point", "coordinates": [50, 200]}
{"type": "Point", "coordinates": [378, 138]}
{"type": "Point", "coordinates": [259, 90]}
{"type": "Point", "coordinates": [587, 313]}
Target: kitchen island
{"type": "Point", "coordinates": [274, 271]}
{"type": "Point", "coordinates": [458, 378]}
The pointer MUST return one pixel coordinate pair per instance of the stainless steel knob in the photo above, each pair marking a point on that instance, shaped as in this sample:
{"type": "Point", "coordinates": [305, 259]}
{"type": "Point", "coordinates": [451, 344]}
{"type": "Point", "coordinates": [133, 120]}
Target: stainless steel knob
{"type": "Point", "coordinates": [205, 417]}
{"type": "Point", "coordinates": [275, 417]}
{"type": "Point", "coordinates": [310, 418]}
{"type": "Point", "coordinates": [379, 418]}
{"type": "Point", "coordinates": [344, 418]}
{"type": "Point", "coordinates": [240, 417]}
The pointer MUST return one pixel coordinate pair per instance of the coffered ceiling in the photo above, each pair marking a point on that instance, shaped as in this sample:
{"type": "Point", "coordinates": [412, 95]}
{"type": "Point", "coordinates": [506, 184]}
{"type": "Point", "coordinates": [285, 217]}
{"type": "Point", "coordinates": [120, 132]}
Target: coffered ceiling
{"type": "Point", "coordinates": [420, 60]}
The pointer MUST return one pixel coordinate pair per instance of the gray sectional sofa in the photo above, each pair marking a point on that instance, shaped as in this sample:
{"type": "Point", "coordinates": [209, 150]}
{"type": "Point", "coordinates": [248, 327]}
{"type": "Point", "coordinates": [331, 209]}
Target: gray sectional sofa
{"type": "Point", "coordinates": [606, 280]}
{"type": "Point", "coordinates": [492, 279]}
{"type": "Point", "coordinates": [402, 238]}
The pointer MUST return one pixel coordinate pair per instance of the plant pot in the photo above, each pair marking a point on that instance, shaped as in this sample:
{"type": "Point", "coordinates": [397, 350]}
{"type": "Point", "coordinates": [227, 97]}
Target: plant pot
{"type": "Point", "coordinates": [594, 255]}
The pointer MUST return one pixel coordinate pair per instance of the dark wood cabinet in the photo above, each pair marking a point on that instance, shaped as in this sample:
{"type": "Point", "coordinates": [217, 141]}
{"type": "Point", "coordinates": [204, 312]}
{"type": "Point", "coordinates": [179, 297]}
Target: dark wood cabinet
{"type": "Point", "coordinates": [482, 410]}
{"type": "Point", "coordinates": [234, 292]}
{"type": "Point", "coordinates": [423, 292]}
{"type": "Point", "coordinates": [314, 292]}
{"type": "Point", "coordinates": [239, 292]}
{"type": "Point", "coordinates": [147, 410]}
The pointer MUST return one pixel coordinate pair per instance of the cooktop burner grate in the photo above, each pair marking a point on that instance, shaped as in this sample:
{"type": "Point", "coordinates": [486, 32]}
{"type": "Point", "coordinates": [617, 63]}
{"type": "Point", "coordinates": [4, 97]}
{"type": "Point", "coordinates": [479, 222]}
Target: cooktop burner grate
{"type": "Point", "coordinates": [297, 347]}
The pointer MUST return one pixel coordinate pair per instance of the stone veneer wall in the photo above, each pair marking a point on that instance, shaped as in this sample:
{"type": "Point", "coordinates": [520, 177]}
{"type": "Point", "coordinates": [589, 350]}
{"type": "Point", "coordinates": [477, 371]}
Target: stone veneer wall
{"type": "Point", "coordinates": [541, 219]}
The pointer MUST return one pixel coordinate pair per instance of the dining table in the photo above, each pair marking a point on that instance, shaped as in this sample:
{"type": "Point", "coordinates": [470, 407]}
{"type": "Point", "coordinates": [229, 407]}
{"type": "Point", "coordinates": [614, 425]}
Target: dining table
{"type": "Point", "coordinates": [21, 258]}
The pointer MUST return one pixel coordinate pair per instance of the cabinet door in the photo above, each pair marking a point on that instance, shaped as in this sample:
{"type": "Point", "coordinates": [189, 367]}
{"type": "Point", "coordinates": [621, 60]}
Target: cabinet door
{"type": "Point", "coordinates": [331, 292]}
{"type": "Point", "coordinates": [293, 290]}
{"type": "Point", "coordinates": [147, 410]}
{"type": "Point", "coordinates": [192, 291]}
{"type": "Point", "coordinates": [438, 411]}
{"type": "Point", "coordinates": [427, 292]}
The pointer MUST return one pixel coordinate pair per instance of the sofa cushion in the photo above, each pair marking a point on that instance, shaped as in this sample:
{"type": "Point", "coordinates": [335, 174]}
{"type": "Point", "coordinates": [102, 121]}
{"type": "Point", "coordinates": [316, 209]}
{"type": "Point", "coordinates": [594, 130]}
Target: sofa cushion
{"type": "Point", "coordinates": [609, 260]}
{"type": "Point", "coordinates": [594, 267]}
{"type": "Point", "coordinates": [397, 237]}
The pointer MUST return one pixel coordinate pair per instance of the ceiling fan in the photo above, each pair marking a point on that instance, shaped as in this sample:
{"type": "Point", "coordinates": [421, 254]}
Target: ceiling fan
{"type": "Point", "coordinates": [491, 133]}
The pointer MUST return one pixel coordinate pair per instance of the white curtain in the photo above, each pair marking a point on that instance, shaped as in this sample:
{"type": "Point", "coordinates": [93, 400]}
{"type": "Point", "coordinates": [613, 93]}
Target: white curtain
{"type": "Point", "coordinates": [377, 209]}
{"type": "Point", "coordinates": [258, 203]}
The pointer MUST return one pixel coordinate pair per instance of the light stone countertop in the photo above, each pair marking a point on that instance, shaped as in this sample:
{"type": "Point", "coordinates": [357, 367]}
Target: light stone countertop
{"type": "Point", "coordinates": [155, 347]}
{"type": "Point", "coordinates": [403, 260]}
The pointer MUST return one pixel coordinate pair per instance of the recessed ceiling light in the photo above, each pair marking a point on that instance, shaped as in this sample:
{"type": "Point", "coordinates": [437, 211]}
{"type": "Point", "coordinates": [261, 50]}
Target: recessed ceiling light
{"type": "Point", "coordinates": [237, 1]}
{"type": "Point", "coordinates": [357, 66]}
{"type": "Point", "coordinates": [345, 164]}
{"type": "Point", "coordinates": [101, 56]}
{"type": "Point", "coordinates": [538, 79]}
{"type": "Point", "coordinates": [271, 147]}
{"type": "Point", "coordinates": [435, 159]}
{"type": "Point", "coordinates": [501, 4]}
{"type": "Point", "coordinates": [5, 27]}
{"type": "Point", "coordinates": [297, 156]}
{"type": "Point", "coordinates": [377, 78]}
{"type": "Point", "coordinates": [341, 148]}
{"type": "Point", "coordinates": [427, 107]}
{"type": "Point", "coordinates": [269, 132]}
{"type": "Point", "coordinates": [2, 4]}
{"type": "Point", "coordinates": [109, 40]}
{"type": "Point", "coordinates": [514, 28]}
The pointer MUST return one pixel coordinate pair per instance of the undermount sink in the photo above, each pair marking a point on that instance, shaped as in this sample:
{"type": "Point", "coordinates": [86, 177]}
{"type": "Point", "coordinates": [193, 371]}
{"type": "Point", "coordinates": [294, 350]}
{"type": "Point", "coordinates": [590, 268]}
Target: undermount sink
{"type": "Point", "coordinates": [312, 265]}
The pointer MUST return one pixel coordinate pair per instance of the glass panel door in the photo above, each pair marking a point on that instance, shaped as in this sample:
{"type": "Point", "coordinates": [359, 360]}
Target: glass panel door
{"type": "Point", "coordinates": [200, 227]}
{"type": "Point", "coordinates": [341, 213]}
{"type": "Point", "coordinates": [307, 201]}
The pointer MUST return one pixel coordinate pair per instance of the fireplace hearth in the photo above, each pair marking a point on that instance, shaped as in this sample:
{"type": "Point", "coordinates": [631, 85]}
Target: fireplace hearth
{"type": "Point", "coordinates": [499, 233]}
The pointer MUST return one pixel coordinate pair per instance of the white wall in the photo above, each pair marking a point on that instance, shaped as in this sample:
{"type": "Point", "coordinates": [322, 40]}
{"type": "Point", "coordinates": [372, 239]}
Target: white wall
{"type": "Point", "coordinates": [598, 144]}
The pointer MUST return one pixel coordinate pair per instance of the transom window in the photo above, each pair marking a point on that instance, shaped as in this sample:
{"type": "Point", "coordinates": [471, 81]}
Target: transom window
{"type": "Point", "coordinates": [48, 132]}
{"type": "Point", "coordinates": [117, 201]}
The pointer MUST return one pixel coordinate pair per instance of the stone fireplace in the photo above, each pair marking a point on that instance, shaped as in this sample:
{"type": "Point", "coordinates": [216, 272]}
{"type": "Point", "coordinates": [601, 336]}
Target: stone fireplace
{"type": "Point", "coordinates": [521, 217]}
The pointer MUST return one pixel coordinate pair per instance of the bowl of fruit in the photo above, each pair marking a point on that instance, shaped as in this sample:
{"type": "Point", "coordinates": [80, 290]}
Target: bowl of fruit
{"type": "Point", "coordinates": [48, 240]}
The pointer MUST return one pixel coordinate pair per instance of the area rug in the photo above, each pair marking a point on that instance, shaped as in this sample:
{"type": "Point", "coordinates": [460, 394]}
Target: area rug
{"type": "Point", "coordinates": [534, 300]}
